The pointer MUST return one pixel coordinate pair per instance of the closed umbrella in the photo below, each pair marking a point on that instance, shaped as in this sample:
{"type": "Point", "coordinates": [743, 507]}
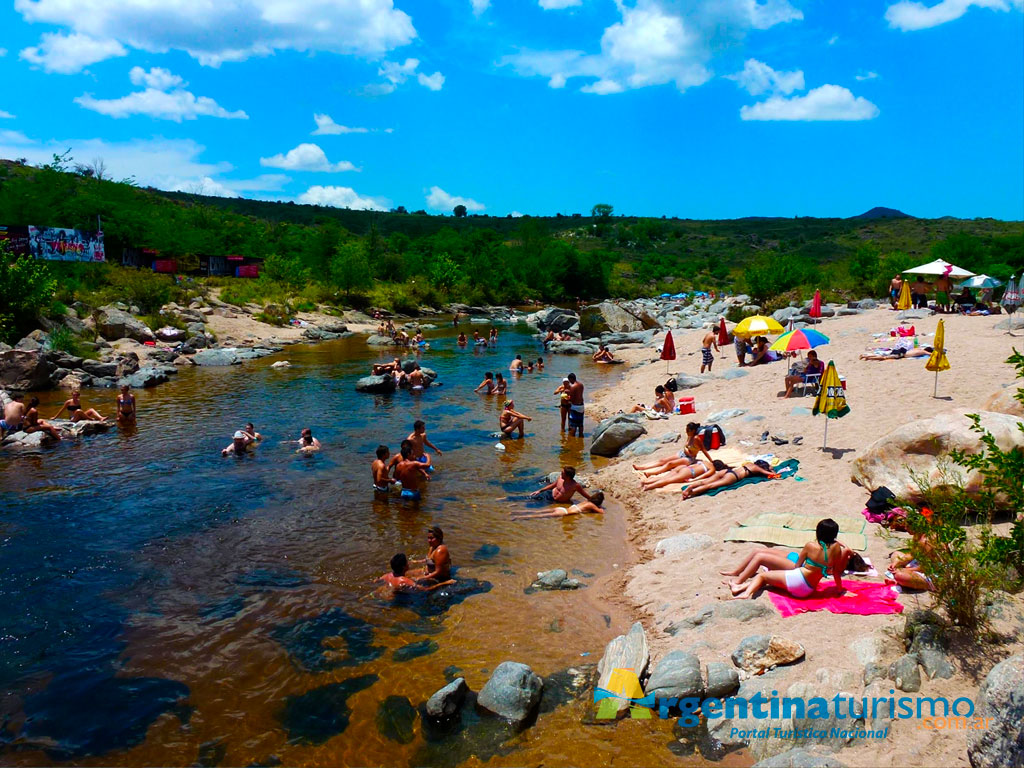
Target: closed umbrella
{"type": "Point", "coordinates": [815, 310]}
{"type": "Point", "coordinates": [802, 338]}
{"type": "Point", "coordinates": [1011, 298]}
{"type": "Point", "coordinates": [723, 336]}
{"type": "Point", "coordinates": [668, 349]}
{"type": "Point", "coordinates": [938, 361]}
{"type": "Point", "coordinates": [831, 399]}
{"type": "Point", "coordinates": [757, 325]}
{"type": "Point", "coordinates": [904, 301]}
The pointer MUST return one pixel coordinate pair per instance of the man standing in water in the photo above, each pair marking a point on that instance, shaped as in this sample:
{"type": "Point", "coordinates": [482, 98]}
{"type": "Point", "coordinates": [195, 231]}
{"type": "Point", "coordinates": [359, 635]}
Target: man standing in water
{"type": "Point", "coordinates": [410, 473]}
{"type": "Point", "coordinates": [417, 440]}
{"type": "Point", "coordinates": [706, 357]}
{"type": "Point", "coordinates": [379, 468]}
{"type": "Point", "coordinates": [575, 406]}
{"type": "Point", "coordinates": [516, 366]}
{"type": "Point", "coordinates": [438, 562]}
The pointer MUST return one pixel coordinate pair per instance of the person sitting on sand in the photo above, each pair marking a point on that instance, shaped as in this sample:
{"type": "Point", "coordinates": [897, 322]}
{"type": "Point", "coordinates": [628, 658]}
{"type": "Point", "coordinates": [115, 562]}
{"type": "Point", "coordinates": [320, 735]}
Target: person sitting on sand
{"type": "Point", "coordinates": [511, 420]}
{"type": "Point", "coordinates": [462, 340]}
{"type": "Point", "coordinates": [730, 476]}
{"type": "Point", "coordinates": [664, 402]}
{"type": "Point", "coordinates": [500, 384]}
{"type": "Point", "coordinates": [126, 408]}
{"type": "Point", "coordinates": [905, 570]}
{"type": "Point", "coordinates": [306, 442]}
{"type": "Point", "coordinates": [691, 450]}
{"type": "Point", "coordinates": [761, 352]}
{"type": "Point", "coordinates": [409, 472]}
{"type": "Point", "coordinates": [399, 581]}
{"type": "Point", "coordinates": [603, 354]}
{"type": "Point", "coordinates": [241, 441]}
{"type": "Point", "coordinates": [687, 473]}
{"type": "Point", "coordinates": [563, 489]}
{"type": "Point", "coordinates": [75, 410]}
{"type": "Point", "coordinates": [584, 507]}
{"type": "Point", "coordinates": [487, 385]}
{"type": "Point", "coordinates": [817, 558]}
{"type": "Point", "coordinates": [899, 353]}
{"type": "Point", "coordinates": [32, 422]}
{"type": "Point", "coordinates": [382, 481]}
{"type": "Point", "coordinates": [437, 563]}
{"type": "Point", "coordinates": [814, 367]}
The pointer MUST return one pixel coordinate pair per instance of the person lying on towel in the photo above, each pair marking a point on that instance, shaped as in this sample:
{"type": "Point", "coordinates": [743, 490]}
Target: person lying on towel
{"type": "Point", "coordinates": [818, 558]}
{"type": "Point", "coordinates": [730, 476]}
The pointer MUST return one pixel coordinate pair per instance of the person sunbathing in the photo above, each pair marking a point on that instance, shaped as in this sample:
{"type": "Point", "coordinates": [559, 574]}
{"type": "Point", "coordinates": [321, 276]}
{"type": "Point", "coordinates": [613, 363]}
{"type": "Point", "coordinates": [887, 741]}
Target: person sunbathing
{"type": "Point", "coordinates": [593, 506]}
{"type": "Point", "coordinates": [685, 474]}
{"type": "Point", "coordinates": [906, 571]}
{"type": "Point", "coordinates": [693, 448]}
{"type": "Point", "coordinates": [899, 353]}
{"type": "Point", "coordinates": [730, 476]}
{"type": "Point", "coordinates": [822, 556]}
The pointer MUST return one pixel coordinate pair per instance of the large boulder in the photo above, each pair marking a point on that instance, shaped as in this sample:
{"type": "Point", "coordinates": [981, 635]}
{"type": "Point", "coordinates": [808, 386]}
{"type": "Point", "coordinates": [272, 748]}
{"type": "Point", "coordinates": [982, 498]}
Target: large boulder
{"type": "Point", "coordinates": [571, 348]}
{"type": "Point", "coordinates": [99, 368]}
{"type": "Point", "coordinates": [1002, 699]}
{"type": "Point", "coordinates": [759, 653]}
{"type": "Point", "coordinates": [512, 692]}
{"type": "Point", "coordinates": [676, 675]}
{"type": "Point", "coordinates": [22, 441]}
{"type": "Point", "coordinates": [113, 323]}
{"type": "Point", "coordinates": [554, 319]}
{"type": "Point", "coordinates": [377, 385]}
{"type": "Point", "coordinates": [1005, 401]}
{"type": "Point", "coordinates": [628, 651]}
{"type": "Point", "coordinates": [147, 377]}
{"type": "Point", "coordinates": [922, 447]}
{"type": "Point", "coordinates": [607, 316]}
{"type": "Point", "coordinates": [21, 369]}
{"type": "Point", "coordinates": [213, 357]}
{"type": "Point", "coordinates": [613, 434]}
{"type": "Point", "coordinates": [379, 341]}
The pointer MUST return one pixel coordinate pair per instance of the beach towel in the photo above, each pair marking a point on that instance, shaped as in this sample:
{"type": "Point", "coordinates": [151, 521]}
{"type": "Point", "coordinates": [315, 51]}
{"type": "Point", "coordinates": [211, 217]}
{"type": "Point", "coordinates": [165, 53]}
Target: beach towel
{"type": "Point", "coordinates": [765, 529]}
{"type": "Point", "coordinates": [785, 469]}
{"type": "Point", "coordinates": [802, 522]}
{"type": "Point", "coordinates": [863, 598]}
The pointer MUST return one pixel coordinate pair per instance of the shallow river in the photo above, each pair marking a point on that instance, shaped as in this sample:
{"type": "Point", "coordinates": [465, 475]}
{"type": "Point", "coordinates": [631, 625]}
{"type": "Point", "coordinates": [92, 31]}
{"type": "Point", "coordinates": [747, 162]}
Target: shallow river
{"type": "Point", "coordinates": [161, 605]}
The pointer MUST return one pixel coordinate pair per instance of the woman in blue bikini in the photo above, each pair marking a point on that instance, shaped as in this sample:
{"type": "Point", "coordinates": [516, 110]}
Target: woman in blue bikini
{"type": "Point", "coordinates": [817, 559]}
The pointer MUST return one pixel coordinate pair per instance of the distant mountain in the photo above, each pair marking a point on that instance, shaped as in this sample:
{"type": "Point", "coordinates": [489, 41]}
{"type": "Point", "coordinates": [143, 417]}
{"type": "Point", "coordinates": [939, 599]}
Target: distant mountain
{"type": "Point", "coordinates": [883, 213]}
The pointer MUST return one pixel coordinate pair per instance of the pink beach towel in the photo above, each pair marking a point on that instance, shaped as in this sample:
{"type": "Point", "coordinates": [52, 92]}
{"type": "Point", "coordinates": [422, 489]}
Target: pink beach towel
{"type": "Point", "coordinates": [864, 598]}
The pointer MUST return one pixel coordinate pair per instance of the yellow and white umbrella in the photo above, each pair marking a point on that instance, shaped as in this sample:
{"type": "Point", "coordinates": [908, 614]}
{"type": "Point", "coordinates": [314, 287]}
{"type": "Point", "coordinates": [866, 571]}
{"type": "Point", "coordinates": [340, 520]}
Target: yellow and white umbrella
{"type": "Point", "coordinates": [938, 360]}
{"type": "Point", "coordinates": [758, 325]}
{"type": "Point", "coordinates": [831, 399]}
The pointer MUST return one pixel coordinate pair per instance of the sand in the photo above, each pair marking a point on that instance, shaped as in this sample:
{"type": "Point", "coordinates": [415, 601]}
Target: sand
{"type": "Point", "coordinates": [882, 396]}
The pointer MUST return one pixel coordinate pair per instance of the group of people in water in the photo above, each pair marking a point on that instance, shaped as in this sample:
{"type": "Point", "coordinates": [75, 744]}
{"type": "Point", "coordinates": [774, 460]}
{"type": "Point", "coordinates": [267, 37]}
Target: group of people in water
{"type": "Point", "coordinates": [20, 416]}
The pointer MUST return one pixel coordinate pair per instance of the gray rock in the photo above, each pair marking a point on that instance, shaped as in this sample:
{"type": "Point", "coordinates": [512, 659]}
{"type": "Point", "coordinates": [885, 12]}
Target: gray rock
{"type": "Point", "coordinates": [685, 381]}
{"type": "Point", "coordinates": [683, 542]}
{"type": "Point", "coordinates": [723, 680]}
{"type": "Point", "coordinates": [783, 315]}
{"type": "Point", "coordinates": [915, 314]}
{"type": "Point", "coordinates": [905, 673]}
{"type": "Point", "coordinates": [34, 342]}
{"type": "Point", "coordinates": [319, 334]}
{"type": "Point", "coordinates": [97, 368]}
{"type": "Point", "coordinates": [22, 441]}
{"type": "Point", "coordinates": [1002, 698]}
{"type": "Point", "coordinates": [847, 311]}
{"type": "Point", "coordinates": [377, 385]}
{"type": "Point", "coordinates": [571, 348]}
{"type": "Point", "coordinates": [676, 675]}
{"type": "Point", "coordinates": [64, 360]}
{"type": "Point", "coordinates": [199, 341]}
{"type": "Point", "coordinates": [628, 651]}
{"type": "Point", "coordinates": [225, 356]}
{"type": "Point", "coordinates": [24, 370]}
{"type": "Point", "coordinates": [555, 579]}
{"type": "Point", "coordinates": [446, 702]}
{"type": "Point", "coordinates": [113, 323]}
{"type": "Point", "coordinates": [147, 377]}
{"type": "Point", "coordinates": [731, 413]}
{"type": "Point", "coordinates": [170, 335]}
{"type": "Point", "coordinates": [634, 337]}
{"type": "Point", "coordinates": [735, 373]}
{"type": "Point", "coordinates": [670, 437]}
{"type": "Point", "coordinates": [379, 341]}
{"type": "Point", "coordinates": [866, 304]}
{"type": "Point", "coordinates": [615, 433]}
{"type": "Point", "coordinates": [642, 447]}
{"type": "Point", "coordinates": [512, 692]}
{"type": "Point", "coordinates": [799, 757]}
{"type": "Point", "coordinates": [874, 671]}
{"type": "Point", "coordinates": [935, 663]}
{"type": "Point", "coordinates": [763, 652]}
{"type": "Point", "coordinates": [554, 319]}
{"type": "Point", "coordinates": [609, 316]}
{"type": "Point", "coordinates": [745, 610]}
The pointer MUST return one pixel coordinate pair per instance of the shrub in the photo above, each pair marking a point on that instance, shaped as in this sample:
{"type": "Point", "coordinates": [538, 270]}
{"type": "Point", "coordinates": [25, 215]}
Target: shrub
{"type": "Point", "coordinates": [26, 288]}
{"type": "Point", "coordinates": [139, 287]}
{"type": "Point", "coordinates": [58, 309]}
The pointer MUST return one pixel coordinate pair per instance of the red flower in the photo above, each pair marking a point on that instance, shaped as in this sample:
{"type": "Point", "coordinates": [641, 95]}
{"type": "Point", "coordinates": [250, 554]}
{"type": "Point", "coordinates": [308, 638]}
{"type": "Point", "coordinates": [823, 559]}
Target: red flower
{"type": "Point", "coordinates": [926, 513]}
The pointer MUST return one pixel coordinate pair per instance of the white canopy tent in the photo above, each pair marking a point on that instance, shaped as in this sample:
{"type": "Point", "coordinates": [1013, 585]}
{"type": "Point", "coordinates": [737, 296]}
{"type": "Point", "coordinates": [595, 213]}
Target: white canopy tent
{"type": "Point", "coordinates": [939, 267]}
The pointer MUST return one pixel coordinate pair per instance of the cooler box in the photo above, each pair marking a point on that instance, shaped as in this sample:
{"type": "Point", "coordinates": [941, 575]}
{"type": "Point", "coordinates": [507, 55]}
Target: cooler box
{"type": "Point", "coordinates": [685, 405]}
{"type": "Point", "coordinates": [842, 381]}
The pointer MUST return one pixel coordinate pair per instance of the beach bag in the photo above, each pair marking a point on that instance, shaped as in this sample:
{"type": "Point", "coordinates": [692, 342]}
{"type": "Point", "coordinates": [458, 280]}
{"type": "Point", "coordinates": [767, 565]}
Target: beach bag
{"type": "Point", "coordinates": [881, 501]}
{"type": "Point", "coordinates": [671, 385]}
{"type": "Point", "coordinates": [712, 435]}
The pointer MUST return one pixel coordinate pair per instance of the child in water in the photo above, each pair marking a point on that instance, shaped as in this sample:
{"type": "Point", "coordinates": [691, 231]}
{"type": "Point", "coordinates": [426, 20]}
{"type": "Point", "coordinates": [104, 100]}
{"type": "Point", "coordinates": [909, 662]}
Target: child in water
{"type": "Point", "coordinates": [399, 582]}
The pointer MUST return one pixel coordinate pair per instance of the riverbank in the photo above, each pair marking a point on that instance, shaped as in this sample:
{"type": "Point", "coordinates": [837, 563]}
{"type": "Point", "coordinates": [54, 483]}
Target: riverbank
{"type": "Point", "coordinates": [679, 597]}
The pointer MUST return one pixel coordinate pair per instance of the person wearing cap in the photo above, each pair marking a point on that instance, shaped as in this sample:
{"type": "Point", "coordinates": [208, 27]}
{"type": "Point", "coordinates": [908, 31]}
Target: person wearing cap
{"type": "Point", "coordinates": [241, 440]}
{"type": "Point", "coordinates": [563, 401]}
{"type": "Point", "coordinates": [510, 420]}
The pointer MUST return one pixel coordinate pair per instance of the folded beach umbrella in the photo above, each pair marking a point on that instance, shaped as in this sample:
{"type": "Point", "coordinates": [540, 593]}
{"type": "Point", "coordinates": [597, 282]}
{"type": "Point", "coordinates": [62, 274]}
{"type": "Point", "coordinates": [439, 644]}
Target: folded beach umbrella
{"type": "Point", "coordinates": [904, 301]}
{"type": "Point", "coordinates": [757, 325]}
{"type": "Point", "coordinates": [938, 362]}
{"type": "Point", "coordinates": [831, 398]}
{"type": "Point", "coordinates": [723, 335]}
{"type": "Point", "coordinates": [815, 310]}
{"type": "Point", "coordinates": [668, 349]}
{"type": "Point", "coordinates": [802, 338]}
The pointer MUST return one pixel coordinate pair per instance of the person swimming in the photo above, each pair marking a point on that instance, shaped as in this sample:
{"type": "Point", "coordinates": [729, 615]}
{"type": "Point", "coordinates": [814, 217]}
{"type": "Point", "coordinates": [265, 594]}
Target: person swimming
{"type": "Point", "coordinates": [242, 440]}
{"type": "Point", "coordinates": [399, 581]}
{"type": "Point", "coordinates": [382, 481]}
{"type": "Point", "coordinates": [487, 385]}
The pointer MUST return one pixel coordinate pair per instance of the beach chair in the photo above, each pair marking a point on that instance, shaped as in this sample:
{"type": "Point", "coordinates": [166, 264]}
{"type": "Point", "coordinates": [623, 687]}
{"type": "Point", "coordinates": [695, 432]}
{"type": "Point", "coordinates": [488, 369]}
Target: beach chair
{"type": "Point", "coordinates": [812, 380]}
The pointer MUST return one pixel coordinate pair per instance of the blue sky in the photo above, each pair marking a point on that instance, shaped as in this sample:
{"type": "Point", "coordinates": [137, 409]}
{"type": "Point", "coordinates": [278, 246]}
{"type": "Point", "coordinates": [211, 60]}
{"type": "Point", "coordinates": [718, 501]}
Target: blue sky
{"type": "Point", "coordinates": [690, 108]}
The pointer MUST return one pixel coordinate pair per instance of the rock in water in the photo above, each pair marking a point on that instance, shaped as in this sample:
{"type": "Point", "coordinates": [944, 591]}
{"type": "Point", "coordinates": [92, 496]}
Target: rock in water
{"type": "Point", "coordinates": [226, 356]}
{"type": "Point", "coordinates": [625, 652]}
{"type": "Point", "coordinates": [1002, 698]}
{"type": "Point", "coordinates": [377, 385]}
{"type": "Point", "coordinates": [676, 675]}
{"type": "Point", "coordinates": [445, 703]}
{"type": "Point", "coordinates": [395, 719]}
{"type": "Point", "coordinates": [414, 650]}
{"type": "Point", "coordinates": [571, 348]}
{"type": "Point", "coordinates": [513, 692]}
{"type": "Point", "coordinates": [281, 364]}
{"type": "Point", "coordinates": [613, 434]}
{"type": "Point", "coordinates": [24, 370]}
{"type": "Point", "coordinates": [762, 652]}
{"type": "Point", "coordinates": [922, 447]}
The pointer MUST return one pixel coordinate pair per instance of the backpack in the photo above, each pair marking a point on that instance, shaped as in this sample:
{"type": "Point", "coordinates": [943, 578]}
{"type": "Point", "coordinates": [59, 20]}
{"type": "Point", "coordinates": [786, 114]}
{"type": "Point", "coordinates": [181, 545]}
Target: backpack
{"type": "Point", "coordinates": [881, 500]}
{"type": "Point", "coordinates": [671, 385]}
{"type": "Point", "coordinates": [712, 435]}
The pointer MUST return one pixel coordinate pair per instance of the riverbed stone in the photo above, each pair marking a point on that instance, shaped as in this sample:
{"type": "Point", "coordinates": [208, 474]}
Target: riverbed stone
{"type": "Point", "coordinates": [512, 693]}
{"type": "Point", "coordinates": [628, 651]}
{"type": "Point", "coordinates": [445, 703]}
{"type": "Point", "coordinates": [763, 652]}
{"type": "Point", "coordinates": [571, 348]}
{"type": "Point", "coordinates": [147, 377]}
{"type": "Point", "coordinates": [396, 717]}
{"type": "Point", "coordinates": [676, 675]}
{"type": "Point", "coordinates": [555, 579]}
{"type": "Point", "coordinates": [615, 433]}
{"type": "Point", "coordinates": [378, 385]}
{"type": "Point", "coordinates": [800, 757]}
{"type": "Point", "coordinates": [113, 323]}
{"type": "Point", "coordinates": [1002, 698]}
{"type": "Point", "coordinates": [24, 370]}
{"type": "Point", "coordinates": [906, 675]}
{"type": "Point", "coordinates": [723, 680]}
{"type": "Point", "coordinates": [683, 542]}
{"type": "Point", "coordinates": [217, 357]}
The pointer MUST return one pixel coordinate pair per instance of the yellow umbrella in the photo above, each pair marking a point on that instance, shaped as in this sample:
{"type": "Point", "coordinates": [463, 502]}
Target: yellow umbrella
{"type": "Point", "coordinates": [831, 398]}
{"type": "Point", "coordinates": [938, 361]}
{"type": "Point", "coordinates": [904, 302]}
{"type": "Point", "coordinates": [758, 325]}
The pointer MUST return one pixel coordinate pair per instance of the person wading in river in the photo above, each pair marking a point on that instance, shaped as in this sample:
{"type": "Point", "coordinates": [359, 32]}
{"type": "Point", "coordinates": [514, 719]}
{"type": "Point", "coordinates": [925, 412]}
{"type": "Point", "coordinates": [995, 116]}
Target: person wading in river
{"type": "Point", "coordinates": [438, 562]}
{"type": "Point", "coordinates": [575, 406]}
{"type": "Point", "coordinates": [410, 472]}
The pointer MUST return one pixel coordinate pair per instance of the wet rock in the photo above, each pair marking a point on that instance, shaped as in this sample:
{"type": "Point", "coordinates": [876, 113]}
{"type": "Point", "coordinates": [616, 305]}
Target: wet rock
{"type": "Point", "coordinates": [763, 652]}
{"type": "Point", "coordinates": [676, 675]}
{"type": "Point", "coordinates": [512, 693]}
{"type": "Point", "coordinates": [379, 341]}
{"type": "Point", "coordinates": [331, 640]}
{"type": "Point", "coordinates": [615, 433]}
{"type": "Point", "coordinates": [414, 650]}
{"type": "Point", "coordinates": [113, 323]}
{"type": "Point", "coordinates": [211, 753]}
{"type": "Point", "coordinates": [1002, 698]}
{"type": "Point", "coordinates": [905, 674]}
{"type": "Point", "coordinates": [146, 377]}
{"type": "Point", "coordinates": [553, 580]}
{"type": "Point", "coordinates": [225, 356]}
{"type": "Point", "coordinates": [377, 385]}
{"type": "Point", "coordinates": [396, 717]}
{"type": "Point", "coordinates": [723, 680]}
{"type": "Point", "coordinates": [683, 542]}
{"type": "Point", "coordinates": [23, 441]}
{"type": "Point", "coordinates": [799, 757]}
{"type": "Point", "coordinates": [571, 348]}
{"type": "Point", "coordinates": [446, 702]}
{"type": "Point", "coordinates": [318, 715]}
{"type": "Point", "coordinates": [24, 370]}
{"type": "Point", "coordinates": [628, 651]}
{"type": "Point", "coordinates": [486, 552]}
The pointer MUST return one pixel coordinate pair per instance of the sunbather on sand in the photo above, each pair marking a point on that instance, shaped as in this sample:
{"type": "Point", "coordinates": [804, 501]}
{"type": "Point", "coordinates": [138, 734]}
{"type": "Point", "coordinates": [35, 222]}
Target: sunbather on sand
{"type": "Point", "coordinates": [729, 476]}
{"type": "Point", "coordinates": [899, 354]}
{"type": "Point", "coordinates": [822, 556]}
{"type": "Point", "coordinates": [684, 474]}
{"type": "Point", "coordinates": [693, 448]}
{"type": "Point", "coordinates": [906, 571]}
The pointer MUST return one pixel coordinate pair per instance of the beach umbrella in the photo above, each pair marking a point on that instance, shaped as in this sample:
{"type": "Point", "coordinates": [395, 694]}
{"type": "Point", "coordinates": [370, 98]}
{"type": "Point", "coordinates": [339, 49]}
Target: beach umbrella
{"type": "Point", "coordinates": [1011, 298]}
{"type": "Point", "coordinates": [668, 349]}
{"type": "Point", "coordinates": [803, 338]}
{"type": "Point", "coordinates": [980, 281]}
{"type": "Point", "coordinates": [939, 267]}
{"type": "Point", "coordinates": [815, 310]}
{"type": "Point", "coordinates": [723, 336]}
{"type": "Point", "coordinates": [757, 325]}
{"type": "Point", "coordinates": [938, 362]}
{"type": "Point", "coordinates": [831, 399]}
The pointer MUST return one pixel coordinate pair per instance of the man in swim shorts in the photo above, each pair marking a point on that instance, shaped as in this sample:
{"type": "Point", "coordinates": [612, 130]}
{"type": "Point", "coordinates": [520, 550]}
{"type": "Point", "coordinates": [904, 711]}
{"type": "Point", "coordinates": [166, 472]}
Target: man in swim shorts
{"type": "Point", "coordinates": [416, 379]}
{"type": "Point", "coordinates": [14, 414]}
{"type": "Point", "coordinates": [563, 489]}
{"type": "Point", "coordinates": [382, 481]}
{"type": "Point", "coordinates": [706, 357]}
{"type": "Point", "coordinates": [516, 366]}
{"type": "Point", "coordinates": [410, 473]}
{"type": "Point", "coordinates": [895, 286]}
{"type": "Point", "coordinates": [418, 439]}
{"type": "Point", "coordinates": [575, 406]}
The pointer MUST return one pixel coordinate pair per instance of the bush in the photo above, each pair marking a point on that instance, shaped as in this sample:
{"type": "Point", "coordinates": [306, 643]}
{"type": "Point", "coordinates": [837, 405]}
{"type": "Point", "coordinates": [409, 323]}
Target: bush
{"type": "Point", "coordinates": [26, 288]}
{"type": "Point", "coordinates": [139, 287]}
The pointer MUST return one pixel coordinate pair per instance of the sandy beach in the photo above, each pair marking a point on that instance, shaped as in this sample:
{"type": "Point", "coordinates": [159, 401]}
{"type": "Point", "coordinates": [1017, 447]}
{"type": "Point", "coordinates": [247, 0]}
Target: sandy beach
{"type": "Point", "coordinates": [666, 590]}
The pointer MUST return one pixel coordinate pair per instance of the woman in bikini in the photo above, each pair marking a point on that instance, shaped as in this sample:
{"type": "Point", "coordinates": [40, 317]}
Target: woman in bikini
{"type": "Point", "coordinates": [33, 423]}
{"type": "Point", "coordinates": [818, 558]}
{"type": "Point", "coordinates": [76, 412]}
{"type": "Point", "coordinates": [699, 470]}
{"type": "Point", "coordinates": [125, 407]}
{"type": "Point", "coordinates": [562, 390]}
{"type": "Point", "coordinates": [729, 476]}
{"type": "Point", "coordinates": [584, 507]}
{"type": "Point", "coordinates": [693, 448]}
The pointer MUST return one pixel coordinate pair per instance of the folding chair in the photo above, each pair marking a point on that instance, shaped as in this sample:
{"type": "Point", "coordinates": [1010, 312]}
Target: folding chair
{"type": "Point", "coordinates": [812, 380]}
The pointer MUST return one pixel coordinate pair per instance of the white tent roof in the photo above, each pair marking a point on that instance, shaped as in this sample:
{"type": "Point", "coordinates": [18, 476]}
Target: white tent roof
{"type": "Point", "coordinates": [938, 267]}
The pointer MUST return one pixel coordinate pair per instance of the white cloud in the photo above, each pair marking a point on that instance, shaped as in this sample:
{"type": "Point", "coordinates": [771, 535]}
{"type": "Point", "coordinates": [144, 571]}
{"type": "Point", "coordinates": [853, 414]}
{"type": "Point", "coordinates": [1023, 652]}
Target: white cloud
{"type": "Point", "coordinates": [177, 106]}
{"type": "Point", "coordinates": [325, 126]}
{"type": "Point", "coordinates": [757, 77]}
{"type": "Point", "coordinates": [432, 82]}
{"type": "Point", "coordinates": [827, 102]}
{"type": "Point", "coordinates": [227, 30]}
{"type": "Point", "coordinates": [657, 42]}
{"type": "Point", "coordinates": [833, 40]}
{"type": "Point", "coordinates": [557, 5]}
{"type": "Point", "coordinates": [867, 76]}
{"type": "Point", "coordinates": [439, 200]}
{"type": "Point", "coordinates": [306, 157]}
{"type": "Point", "coordinates": [908, 15]}
{"type": "Point", "coordinates": [66, 54]}
{"type": "Point", "coordinates": [515, 214]}
{"type": "Point", "coordinates": [3, 52]}
{"type": "Point", "coordinates": [479, 6]}
{"type": "Point", "coordinates": [157, 77]}
{"type": "Point", "coordinates": [5, 115]}
{"type": "Point", "coordinates": [13, 138]}
{"type": "Point", "coordinates": [342, 197]}
{"type": "Point", "coordinates": [230, 187]}
{"type": "Point", "coordinates": [395, 74]}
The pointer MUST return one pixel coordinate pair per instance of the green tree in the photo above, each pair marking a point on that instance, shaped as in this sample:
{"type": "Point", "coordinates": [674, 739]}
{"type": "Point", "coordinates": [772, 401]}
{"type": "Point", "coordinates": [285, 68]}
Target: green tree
{"type": "Point", "coordinates": [26, 288]}
{"type": "Point", "coordinates": [444, 272]}
{"type": "Point", "coordinates": [865, 264]}
{"type": "Point", "coordinates": [459, 211]}
{"type": "Point", "coordinates": [963, 250]}
{"type": "Point", "coordinates": [350, 268]}
{"type": "Point", "coordinates": [601, 211]}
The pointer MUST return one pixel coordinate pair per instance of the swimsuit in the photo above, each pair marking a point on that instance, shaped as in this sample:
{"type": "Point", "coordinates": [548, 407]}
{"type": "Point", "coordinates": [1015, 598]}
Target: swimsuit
{"type": "Point", "coordinates": [796, 583]}
{"type": "Point", "coordinates": [9, 427]}
{"type": "Point", "coordinates": [576, 415]}
{"type": "Point", "coordinates": [706, 357]}
{"type": "Point", "coordinates": [72, 408]}
{"type": "Point", "coordinates": [410, 494]}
